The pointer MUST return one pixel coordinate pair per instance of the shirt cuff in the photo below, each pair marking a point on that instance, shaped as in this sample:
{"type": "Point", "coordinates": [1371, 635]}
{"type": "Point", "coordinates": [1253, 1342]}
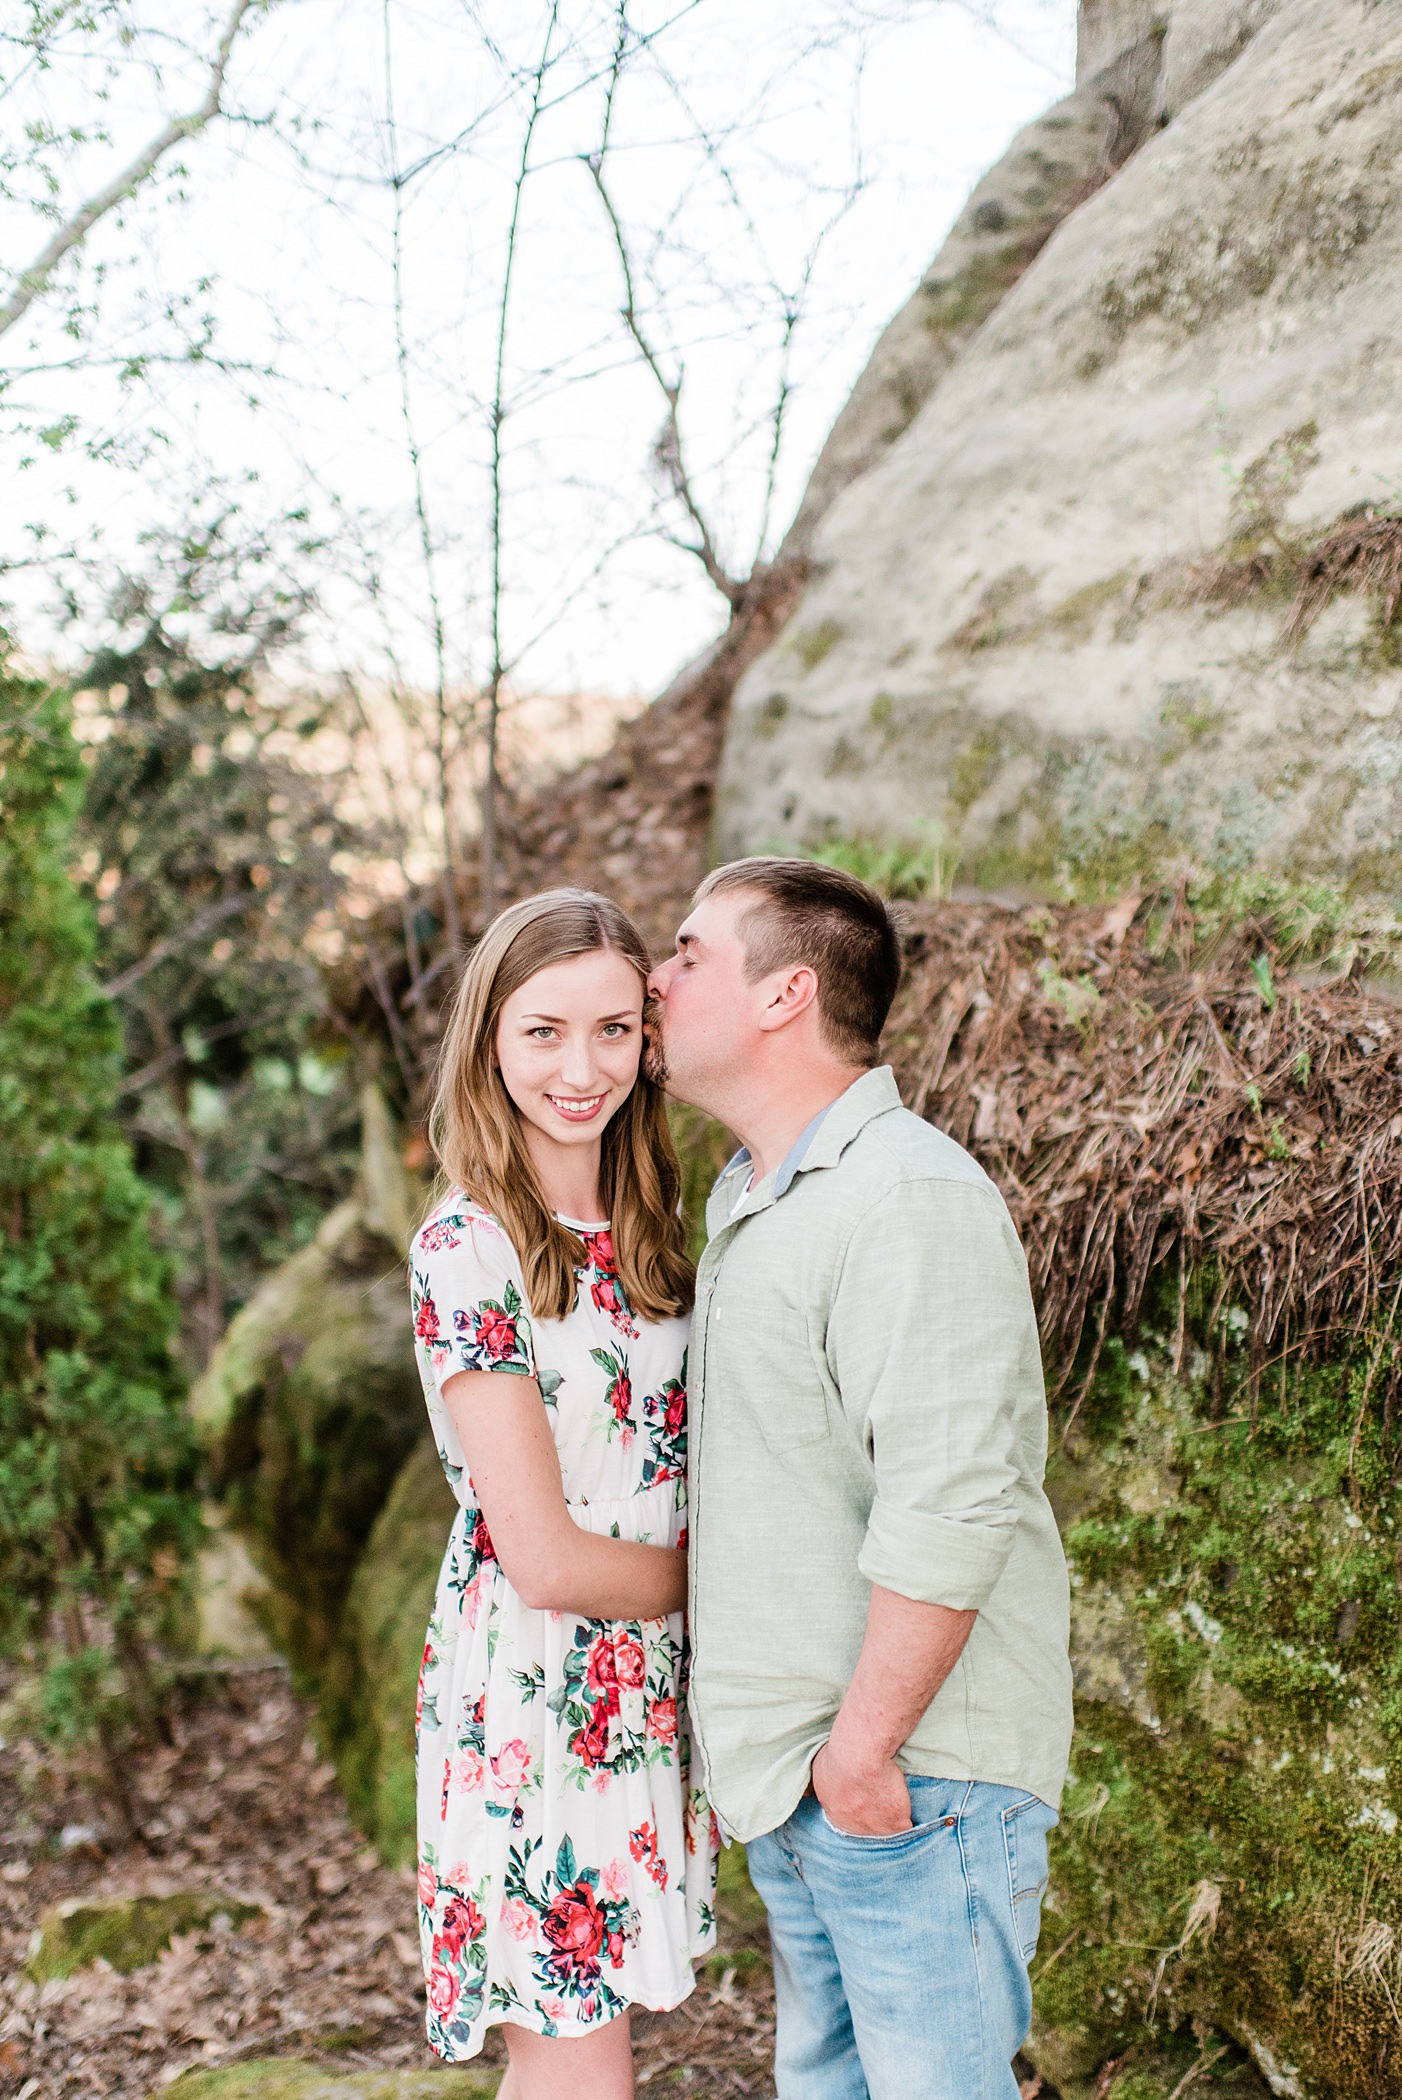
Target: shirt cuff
{"type": "Point", "coordinates": [933, 1559]}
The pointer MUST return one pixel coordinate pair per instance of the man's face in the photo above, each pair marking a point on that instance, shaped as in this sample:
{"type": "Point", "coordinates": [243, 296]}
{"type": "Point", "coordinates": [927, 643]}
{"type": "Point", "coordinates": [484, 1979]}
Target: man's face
{"type": "Point", "coordinates": [703, 1014]}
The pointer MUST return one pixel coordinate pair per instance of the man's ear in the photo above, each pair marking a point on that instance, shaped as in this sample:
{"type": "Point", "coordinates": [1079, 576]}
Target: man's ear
{"type": "Point", "coordinates": [790, 997]}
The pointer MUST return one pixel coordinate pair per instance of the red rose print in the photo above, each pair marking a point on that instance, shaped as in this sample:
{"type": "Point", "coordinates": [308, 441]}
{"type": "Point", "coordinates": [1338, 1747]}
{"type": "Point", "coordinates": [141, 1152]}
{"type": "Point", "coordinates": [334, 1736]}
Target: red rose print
{"type": "Point", "coordinates": [443, 1988]}
{"type": "Point", "coordinates": [662, 1720]}
{"type": "Point", "coordinates": [599, 1247]}
{"type": "Point", "coordinates": [630, 1662]}
{"type": "Point", "coordinates": [621, 1394]}
{"type": "Point", "coordinates": [590, 1743]}
{"type": "Point", "coordinates": [602, 1673]}
{"type": "Point", "coordinates": [482, 1539]}
{"type": "Point", "coordinates": [675, 1420]}
{"type": "Point", "coordinates": [462, 1921]}
{"type": "Point", "coordinates": [497, 1334]}
{"type": "Point", "coordinates": [642, 1844]}
{"type": "Point", "coordinates": [616, 1949]}
{"type": "Point", "coordinates": [426, 1325]}
{"type": "Point", "coordinates": [574, 1926]}
{"type": "Point", "coordinates": [605, 1294]}
{"type": "Point", "coordinates": [428, 1884]}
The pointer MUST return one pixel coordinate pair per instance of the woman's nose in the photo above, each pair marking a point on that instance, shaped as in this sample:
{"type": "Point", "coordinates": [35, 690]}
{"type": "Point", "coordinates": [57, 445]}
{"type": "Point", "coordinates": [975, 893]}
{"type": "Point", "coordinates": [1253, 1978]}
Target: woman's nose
{"type": "Point", "coordinates": [577, 1068]}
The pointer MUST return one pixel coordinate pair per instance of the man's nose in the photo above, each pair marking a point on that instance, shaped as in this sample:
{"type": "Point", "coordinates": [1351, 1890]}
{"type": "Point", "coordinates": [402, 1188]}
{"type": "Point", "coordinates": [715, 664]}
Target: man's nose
{"type": "Point", "coordinates": [657, 982]}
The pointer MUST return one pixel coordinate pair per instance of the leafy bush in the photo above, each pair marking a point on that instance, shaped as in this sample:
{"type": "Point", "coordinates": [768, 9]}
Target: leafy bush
{"type": "Point", "coordinates": [98, 1509]}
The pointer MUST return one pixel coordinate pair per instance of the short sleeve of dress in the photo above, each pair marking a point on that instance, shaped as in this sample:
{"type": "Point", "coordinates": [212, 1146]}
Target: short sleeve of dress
{"type": "Point", "coordinates": [464, 1283]}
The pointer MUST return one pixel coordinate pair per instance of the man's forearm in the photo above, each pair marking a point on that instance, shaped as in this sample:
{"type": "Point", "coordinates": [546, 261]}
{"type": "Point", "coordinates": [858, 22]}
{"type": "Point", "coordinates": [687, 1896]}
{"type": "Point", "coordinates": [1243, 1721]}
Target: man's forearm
{"type": "Point", "coordinates": [908, 1652]}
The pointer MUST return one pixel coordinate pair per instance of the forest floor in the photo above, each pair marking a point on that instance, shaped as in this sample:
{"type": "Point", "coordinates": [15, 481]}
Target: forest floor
{"type": "Point", "coordinates": [241, 1805]}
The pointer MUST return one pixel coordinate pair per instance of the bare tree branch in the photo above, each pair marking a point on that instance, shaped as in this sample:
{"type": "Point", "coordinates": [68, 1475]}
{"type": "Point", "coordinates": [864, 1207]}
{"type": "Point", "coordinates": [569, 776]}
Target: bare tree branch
{"type": "Point", "coordinates": [667, 452]}
{"type": "Point", "coordinates": [203, 922]}
{"type": "Point", "coordinates": [35, 280]}
{"type": "Point", "coordinates": [426, 547]}
{"type": "Point", "coordinates": [490, 783]}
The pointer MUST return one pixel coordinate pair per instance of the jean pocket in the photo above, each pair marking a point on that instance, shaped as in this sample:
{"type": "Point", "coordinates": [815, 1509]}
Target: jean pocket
{"type": "Point", "coordinates": [1026, 1825]}
{"type": "Point", "coordinates": [889, 1841]}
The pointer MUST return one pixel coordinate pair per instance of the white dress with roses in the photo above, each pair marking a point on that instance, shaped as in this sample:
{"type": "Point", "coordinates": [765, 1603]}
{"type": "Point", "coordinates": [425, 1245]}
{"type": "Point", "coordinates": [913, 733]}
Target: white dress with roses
{"type": "Point", "coordinates": [566, 1860]}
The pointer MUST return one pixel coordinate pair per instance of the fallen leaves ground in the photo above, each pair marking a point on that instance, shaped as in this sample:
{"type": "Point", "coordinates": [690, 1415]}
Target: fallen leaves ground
{"type": "Point", "coordinates": [242, 1803]}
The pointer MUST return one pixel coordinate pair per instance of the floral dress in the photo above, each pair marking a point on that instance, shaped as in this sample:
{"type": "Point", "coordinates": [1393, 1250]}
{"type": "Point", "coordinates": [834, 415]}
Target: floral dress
{"type": "Point", "coordinates": [566, 1860]}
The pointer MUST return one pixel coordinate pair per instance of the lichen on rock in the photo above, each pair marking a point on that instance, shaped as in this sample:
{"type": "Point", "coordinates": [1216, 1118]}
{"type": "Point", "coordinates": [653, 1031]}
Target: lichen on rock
{"type": "Point", "coordinates": [1054, 552]}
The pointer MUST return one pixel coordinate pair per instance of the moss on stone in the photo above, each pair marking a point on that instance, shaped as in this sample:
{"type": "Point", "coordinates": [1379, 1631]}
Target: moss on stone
{"type": "Point", "coordinates": [293, 2078]}
{"type": "Point", "coordinates": [311, 1406]}
{"type": "Point", "coordinates": [811, 644]}
{"type": "Point", "coordinates": [128, 1935]}
{"type": "Point", "coordinates": [368, 1696]}
{"type": "Point", "coordinates": [1230, 1853]}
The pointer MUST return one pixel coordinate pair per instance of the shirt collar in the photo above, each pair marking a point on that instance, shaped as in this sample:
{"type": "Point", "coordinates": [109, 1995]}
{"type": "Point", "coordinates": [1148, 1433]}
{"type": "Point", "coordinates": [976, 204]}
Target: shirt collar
{"type": "Point", "coordinates": [823, 1141]}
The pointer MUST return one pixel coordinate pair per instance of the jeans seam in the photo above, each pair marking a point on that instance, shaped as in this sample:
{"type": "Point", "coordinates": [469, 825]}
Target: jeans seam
{"type": "Point", "coordinates": [972, 1904]}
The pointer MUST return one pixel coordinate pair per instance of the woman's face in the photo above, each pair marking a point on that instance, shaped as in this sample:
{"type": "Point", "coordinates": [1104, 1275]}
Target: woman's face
{"type": "Point", "coordinates": [568, 1045]}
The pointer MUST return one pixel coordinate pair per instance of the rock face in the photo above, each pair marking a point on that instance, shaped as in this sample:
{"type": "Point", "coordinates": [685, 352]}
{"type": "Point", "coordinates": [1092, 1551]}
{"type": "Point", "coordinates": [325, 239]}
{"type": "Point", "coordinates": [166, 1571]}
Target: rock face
{"type": "Point", "coordinates": [311, 1403]}
{"type": "Point", "coordinates": [1051, 619]}
{"type": "Point", "coordinates": [383, 1639]}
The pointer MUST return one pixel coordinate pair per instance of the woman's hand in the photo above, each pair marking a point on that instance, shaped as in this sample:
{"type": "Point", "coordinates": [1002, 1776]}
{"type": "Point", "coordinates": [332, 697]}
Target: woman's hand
{"type": "Point", "coordinates": [549, 1560]}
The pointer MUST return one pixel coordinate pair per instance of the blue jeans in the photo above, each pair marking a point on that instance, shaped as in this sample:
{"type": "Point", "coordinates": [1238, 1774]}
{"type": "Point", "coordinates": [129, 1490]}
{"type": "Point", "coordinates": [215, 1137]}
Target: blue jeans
{"type": "Point", "coordinates": [900, 1963]}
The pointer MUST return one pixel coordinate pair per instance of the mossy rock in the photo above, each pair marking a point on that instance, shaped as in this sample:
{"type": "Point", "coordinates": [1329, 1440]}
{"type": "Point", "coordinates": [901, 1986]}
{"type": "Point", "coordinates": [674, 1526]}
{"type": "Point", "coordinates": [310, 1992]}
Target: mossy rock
{"type": "Point", "coordinates": [292, 2078]}
{"type": "Point", "coordinates": [369, 1687]}
{"type": "Point", "coordinates": [1230, 1850]}
{"type": "Point", "coordinates": [311, 1403]}
{"type": "Point", "coordinates": [129, 1935]}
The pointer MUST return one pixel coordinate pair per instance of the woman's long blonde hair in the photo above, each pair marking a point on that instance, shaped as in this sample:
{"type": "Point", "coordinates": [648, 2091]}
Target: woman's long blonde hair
{"type": "Point", "coordinates": [476, 1131]}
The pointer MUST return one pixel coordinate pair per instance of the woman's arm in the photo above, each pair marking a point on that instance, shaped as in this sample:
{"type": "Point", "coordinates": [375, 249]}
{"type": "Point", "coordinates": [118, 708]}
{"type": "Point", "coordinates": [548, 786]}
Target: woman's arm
{"type": "Point", "coordinates": [550, 1561]}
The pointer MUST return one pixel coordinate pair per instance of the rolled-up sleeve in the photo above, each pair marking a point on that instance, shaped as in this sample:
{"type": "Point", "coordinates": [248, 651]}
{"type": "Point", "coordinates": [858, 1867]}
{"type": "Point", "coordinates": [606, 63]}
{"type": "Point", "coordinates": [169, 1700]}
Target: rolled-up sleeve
{"type": "Point", "coordinates": [931, 1342]}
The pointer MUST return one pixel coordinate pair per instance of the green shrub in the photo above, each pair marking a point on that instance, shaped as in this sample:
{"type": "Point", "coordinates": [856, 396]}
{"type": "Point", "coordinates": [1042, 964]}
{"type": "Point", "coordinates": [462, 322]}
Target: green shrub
{"type": "Point", "coordinates": [98, 1509]}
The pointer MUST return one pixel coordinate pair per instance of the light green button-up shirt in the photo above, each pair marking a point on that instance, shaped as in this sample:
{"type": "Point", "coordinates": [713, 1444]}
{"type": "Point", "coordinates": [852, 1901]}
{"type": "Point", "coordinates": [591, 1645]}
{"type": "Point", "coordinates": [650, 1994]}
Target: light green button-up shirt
{"type": "Point", "coordinates": [867, 1407]}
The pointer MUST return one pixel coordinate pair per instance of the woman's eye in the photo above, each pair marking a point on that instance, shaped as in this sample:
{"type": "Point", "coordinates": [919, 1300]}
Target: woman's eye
{"type": "Point", "coordinates": [543, 1033]}
{"type": "Point", "coordinates": [615, 1028]}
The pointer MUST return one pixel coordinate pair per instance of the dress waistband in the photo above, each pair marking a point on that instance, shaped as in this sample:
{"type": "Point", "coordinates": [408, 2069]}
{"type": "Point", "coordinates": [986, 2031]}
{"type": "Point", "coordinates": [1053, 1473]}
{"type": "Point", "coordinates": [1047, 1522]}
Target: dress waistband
{"type": "Point", "coordinates": [650, 1517]}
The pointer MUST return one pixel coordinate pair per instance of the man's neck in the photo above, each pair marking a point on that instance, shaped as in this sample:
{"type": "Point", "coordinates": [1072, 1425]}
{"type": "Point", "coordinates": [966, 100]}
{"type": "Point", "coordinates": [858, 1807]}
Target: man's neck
{"type": "Point", "coordinates": [769, 1124]}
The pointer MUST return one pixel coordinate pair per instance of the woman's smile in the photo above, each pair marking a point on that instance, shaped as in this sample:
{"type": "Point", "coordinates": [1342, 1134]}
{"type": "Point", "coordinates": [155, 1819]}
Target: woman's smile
{"type": "Point", "coordinates": [577, 1108]}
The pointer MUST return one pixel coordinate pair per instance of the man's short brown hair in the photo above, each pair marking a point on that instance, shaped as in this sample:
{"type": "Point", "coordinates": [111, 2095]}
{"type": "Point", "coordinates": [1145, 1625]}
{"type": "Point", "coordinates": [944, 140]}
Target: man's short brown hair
{"type": "Point", "coordinates": [806, 913]}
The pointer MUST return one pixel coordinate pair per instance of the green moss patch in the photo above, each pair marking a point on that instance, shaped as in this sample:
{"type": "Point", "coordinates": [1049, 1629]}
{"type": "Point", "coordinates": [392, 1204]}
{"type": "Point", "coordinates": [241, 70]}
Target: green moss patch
{"type": "Point", "coordinates": [368, 1695]}
{"type": "Point", "coordinates": [290, 2078]}
{"type": "Point", "coordinates": [129, 1935]}
{"type": "Point", "coordinates": [1229, 1853]}
{"type": "Point", "coordinates": [811, 644]}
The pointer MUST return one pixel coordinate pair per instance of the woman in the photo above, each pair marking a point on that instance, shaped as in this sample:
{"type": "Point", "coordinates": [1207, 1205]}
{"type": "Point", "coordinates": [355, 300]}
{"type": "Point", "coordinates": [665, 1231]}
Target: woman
{"type": "Point", "coordinates": [566, 1862]}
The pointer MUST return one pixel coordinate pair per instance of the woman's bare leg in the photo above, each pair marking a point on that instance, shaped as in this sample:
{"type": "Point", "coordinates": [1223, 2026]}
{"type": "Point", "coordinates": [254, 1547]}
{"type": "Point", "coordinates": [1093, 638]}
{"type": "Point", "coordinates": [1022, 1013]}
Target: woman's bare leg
{"type": "Point", "coordinates": [596, 2066]}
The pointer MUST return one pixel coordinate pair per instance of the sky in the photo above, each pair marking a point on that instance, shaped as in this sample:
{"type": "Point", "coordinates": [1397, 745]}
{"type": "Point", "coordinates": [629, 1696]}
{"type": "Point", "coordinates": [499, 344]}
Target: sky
{"type": "Point", "coordinates": [338, 251]}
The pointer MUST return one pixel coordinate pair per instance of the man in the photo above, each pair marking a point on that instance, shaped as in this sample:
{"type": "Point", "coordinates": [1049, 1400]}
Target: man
{"type": "Point", "coordinates": [880, 1686]}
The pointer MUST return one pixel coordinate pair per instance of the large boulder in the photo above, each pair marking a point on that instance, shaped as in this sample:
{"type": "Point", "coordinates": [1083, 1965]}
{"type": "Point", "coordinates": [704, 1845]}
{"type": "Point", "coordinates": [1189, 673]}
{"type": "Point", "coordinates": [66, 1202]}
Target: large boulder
{"type": "Point", "coordinates": [311, 1404]}
{"type": "Point", "coordinates": [1123, 592]}
{"type": "Point", "coordinates": [369, 1712]}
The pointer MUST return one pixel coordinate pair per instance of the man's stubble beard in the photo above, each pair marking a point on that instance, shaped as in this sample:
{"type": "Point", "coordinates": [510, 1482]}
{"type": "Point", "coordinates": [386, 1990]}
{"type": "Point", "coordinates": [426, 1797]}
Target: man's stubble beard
{"type": "Point", "coordinates": [654, 1049]}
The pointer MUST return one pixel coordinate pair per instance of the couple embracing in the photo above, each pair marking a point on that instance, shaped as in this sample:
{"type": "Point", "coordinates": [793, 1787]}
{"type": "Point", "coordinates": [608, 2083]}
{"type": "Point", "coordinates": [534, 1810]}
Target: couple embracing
{"type": "Point", "coordinates": [847, 1549]}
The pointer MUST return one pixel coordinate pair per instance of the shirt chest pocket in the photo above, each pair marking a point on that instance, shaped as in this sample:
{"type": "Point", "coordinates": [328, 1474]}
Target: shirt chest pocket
{"type": "Point", "coordinates": [768, 1375]}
